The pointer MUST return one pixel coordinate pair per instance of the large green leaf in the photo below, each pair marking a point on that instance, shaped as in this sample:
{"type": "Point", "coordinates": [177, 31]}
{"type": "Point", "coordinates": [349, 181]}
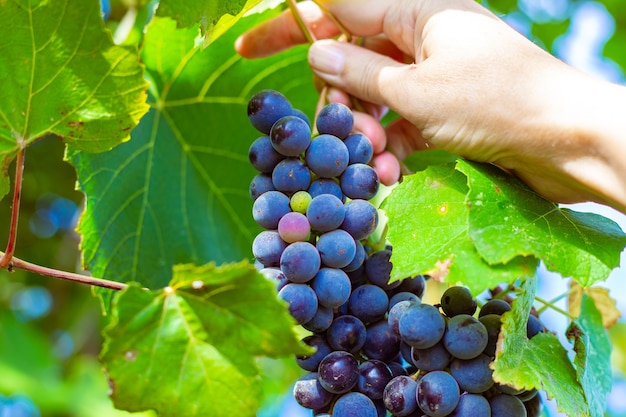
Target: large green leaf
{"type": "Point", "coordinates": [61, 73]}
{"type": "Point", "coordinates": [189, 349]}
{"type": "Point", "coordinates": [178, 191]}
{"type": "Point", "coordinates": [428, 229]}
{"type": "Point", "coordinates": [508, 219]}
{"type": "Point", "coordinates": [539, 363]}
{"type": "Point", "coordinates": [593, 355]}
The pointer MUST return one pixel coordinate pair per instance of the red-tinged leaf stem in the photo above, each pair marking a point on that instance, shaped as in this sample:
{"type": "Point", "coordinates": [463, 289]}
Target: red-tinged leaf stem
{"type": "Point", "coordinates": [68, 276]}
{"type": "Point", "coordinates": [15, 209]}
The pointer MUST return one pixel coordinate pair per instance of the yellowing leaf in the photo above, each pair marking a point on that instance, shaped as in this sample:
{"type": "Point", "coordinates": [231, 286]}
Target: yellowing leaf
{"type": "Point", "coordinates": [605, 304]}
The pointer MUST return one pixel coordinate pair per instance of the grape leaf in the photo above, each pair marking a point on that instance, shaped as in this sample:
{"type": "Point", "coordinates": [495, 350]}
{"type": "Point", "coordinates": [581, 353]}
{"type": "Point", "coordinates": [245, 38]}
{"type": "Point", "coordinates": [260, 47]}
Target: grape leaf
{"type": "Point", "coordinates": [541, 362]}
{"type": "Point", "coordinates": [509, 219]}
{"type": "Point", "coordinates": [178, 191]}
{"type": "Point", "coordinates": [420, 160]}
{"type": "Point", "coordinates": [428, 231]}
{"type": "Point", "coordinates": [605, 304]}
{"type": "Point", "coordinates": [61, 74]}
{"type": "Point", "coordinates": [593, 355]}
{"type": "Point", "coordinates": [189, 349]}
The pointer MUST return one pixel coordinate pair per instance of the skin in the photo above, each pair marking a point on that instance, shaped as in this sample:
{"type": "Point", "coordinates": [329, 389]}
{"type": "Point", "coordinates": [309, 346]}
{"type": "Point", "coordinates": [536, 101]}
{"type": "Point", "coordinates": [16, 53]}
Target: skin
{"type": "Point", "coordinates": [464, 81]}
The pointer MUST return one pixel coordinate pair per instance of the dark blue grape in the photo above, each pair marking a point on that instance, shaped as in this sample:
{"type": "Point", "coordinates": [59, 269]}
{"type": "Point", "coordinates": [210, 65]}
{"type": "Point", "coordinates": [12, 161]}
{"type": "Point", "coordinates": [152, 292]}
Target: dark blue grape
{"type": "Point", "coordinates": [534, 326]}
{"type": "Point", "coordinates": [399, 396]}
{"type": "Point", "coordinates": [360, 148]}
{"type": "Point", "coordinates": [336, 248]}
{"type": "Point", "coordinates": [360, 220]}
{"type": "Point", "coordinates": [262, 155]}
{"type": "Point", "coordinates": [359, 181]}
{"type": "Point", "coordinates": [300, 262]}
{"type": "Point", "coordinates": [260, 184]}
{"type": "Point", "coordinates": [495, 306]}
{"type": "Point", "coordinates": [374, 375]}
{"type": "Point", "coordinates": [327, 156]}
{"type": "Point", "coordinates": [396, 369]}
{"type": "Point", "coordinates": [265, 108]}
{"type": "Point", "coordinates": [290, 136]}
{"type": "Point", "coordinates": [309, 393]}
{"type": "Point", "coordinates": [415, 285]}
{"type": "Point", "coordinates": [276, 276]}
{"type": "Point", "coordinates": [321, 320]}
{"type": "Point", "coordinates": [268, 209]}
{"type": "Point", "coordinates": [504, 405]}
{"type": "Point", "coordinates": [312, 361]}
{"type": "Point", "coordinates": [346, 333]}
{"type": "Point", "coordinates": [301, 300]}
{"type": "Point", "coordinates": [466, 337]}
{"type": "Point", "coordinates": [421, 326]}
{"type": "Point", "coordinates": [473, 375]}
{"type": "Point", "coordinates": [338, 372]}
{"type": "Point", "coordinates": [291, 175]}
{"type": "Point", "coordinates": [533, 406]}
{"type": "Point", "coordinates": [437, 394]}
{"type": "Point", "coordinates": [492, 323]}
{"type": "Point", "coordinates": [335, 119]}
{"type": "Point", "coordinates": [403, 296]}
{"type": "Point", "coordinates": [380, 342]}
{"type": "Point", "coordinates": [325, 213]}
{"type": "Point", "coordinates": [434, 358]}
{"type": "Point", "coordinates": [359, 258]}
{"type": "Point", "coordinates": [395, 313]}
{"type": "Point", "coordinates": [378, 269]}
{"type": "Point", "coordinates": [472, 405]}
{"type": "Point", "coordinates": [267, 248]}
{"type": "Point", "coordinates": [354, 404]}
{"type": "Point", "coordinates": [326, 186]}
{"type": "Point", "coordinates": [299, 113]}
{"type": "Point", "coordinates": [332, 287]}
{"type": "Point", "coordinates": [458, 300]}
{"type": "Point", "coordinates": [369, 303]}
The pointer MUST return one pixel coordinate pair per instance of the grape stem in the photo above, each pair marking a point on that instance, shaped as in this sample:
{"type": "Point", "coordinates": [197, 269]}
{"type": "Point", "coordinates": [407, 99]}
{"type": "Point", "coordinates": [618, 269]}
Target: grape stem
{"type": "Point", "coordinates": [15, 209]}
{"type": "Point", "coordinates": [549, 304]}
{"type": "Point", "coordinates": [296, 14]}
{"type": "Point", "coordinates": [68, 276]}
{"type": "Point", "coordinates": [554, 300]}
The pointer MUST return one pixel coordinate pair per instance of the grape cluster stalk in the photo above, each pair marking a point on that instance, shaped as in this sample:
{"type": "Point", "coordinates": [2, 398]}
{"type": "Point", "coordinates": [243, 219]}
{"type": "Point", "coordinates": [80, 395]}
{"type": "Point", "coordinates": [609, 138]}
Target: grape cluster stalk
{"type": "Point", "coordinates": [378, 350]}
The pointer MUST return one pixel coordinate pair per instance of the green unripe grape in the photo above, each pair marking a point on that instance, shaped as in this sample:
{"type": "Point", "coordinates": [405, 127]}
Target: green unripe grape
{"type": "Point", "coordinates": [300, 201]}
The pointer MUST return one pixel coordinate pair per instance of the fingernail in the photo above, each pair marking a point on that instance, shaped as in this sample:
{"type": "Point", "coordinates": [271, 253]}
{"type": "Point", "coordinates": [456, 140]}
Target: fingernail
{"type": "Point", "coordinates": [325, 56]}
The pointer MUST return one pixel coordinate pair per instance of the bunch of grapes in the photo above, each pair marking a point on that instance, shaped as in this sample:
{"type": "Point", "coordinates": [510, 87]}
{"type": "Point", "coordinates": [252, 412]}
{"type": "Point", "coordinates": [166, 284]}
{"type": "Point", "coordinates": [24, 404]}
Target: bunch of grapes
{"type": "Point", "coordinates": [379, 350]}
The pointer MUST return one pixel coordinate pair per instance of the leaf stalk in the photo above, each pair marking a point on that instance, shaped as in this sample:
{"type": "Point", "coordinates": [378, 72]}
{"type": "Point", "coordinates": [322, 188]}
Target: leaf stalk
{"type": "Point", "coordinates": [7, 256]}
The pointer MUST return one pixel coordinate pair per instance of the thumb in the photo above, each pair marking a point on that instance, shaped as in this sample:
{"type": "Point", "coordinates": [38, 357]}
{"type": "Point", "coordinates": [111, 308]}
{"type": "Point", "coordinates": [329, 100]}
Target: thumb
{"type": "Point", "coordinates": [363, 73]}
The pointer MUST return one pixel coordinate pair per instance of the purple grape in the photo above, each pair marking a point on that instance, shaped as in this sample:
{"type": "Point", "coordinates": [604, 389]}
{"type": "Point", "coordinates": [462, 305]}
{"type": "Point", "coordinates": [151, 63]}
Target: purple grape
{"type": "Point", "coordinates": [312, 361]}
{"type": "Point", "coordinates": [438, 394]}
{"type": "Point", "coordinates": [359, 181]}
{"type": "Point", "coordinates": [336, 248]}
{"type": "Point", "coordinates": [291, 175]}
{"type": "Point", "coordinates": [421, 326]}
{"type": "Point", "coordinates": [403, 296]}
{"type": "Point", "coordinates": [290, 136]}
{"type": "Point", "coordinates": [495, 306]}
{"type": "Point", "coordinates": [369, 303]}
{"type": "Point", "coordinates": [415, 285]}
{"type": "Point", "coordinates": [294, 227]}
{"type": "Point", "coordinates": [262, 155]}
{"type": "Point", "coordinates": [346, 333]}
{"type": "Point", "coordinates": [360, 148]}
{"type": "Point", "coordinates": [378, 269]}
{"type": "Point", "coordinates": [325, 213]}
{"type": "Point", "coordinates": [354, 404]}
{"type": "Point", "coordinates": [326, 186]}
{"type": "Point", "coordinates": [534, 326]}
{"type": "Point", "coordinates": [309, 393]}
{"type": "Point", "coordinates": [380, 342]}
{"type": "Point", "coordinates": [472, 405]}
{"type": "Point", "coordinates": [360, 220]}
{"type": "Point", "coordinates": [301, 300]}
{"type": "Point", "coordinates": [276, 276]}
{"type": "Point", "coordinates": [359, 258]}
{"type": "Point", "coordinates": [321, 321]}
{"type": "Point", "coordinates": [473, 375]}
{"type": "Point", "coordinates": [260, 184]}
{"type": "Point", "coordinates": [300, 261]}
{"type": "Point", "coordinates": [327, 156]}
{"type": "Point", "coordinates": [492, 323]}
{"type": "Point", "coordinates": [335, 119]}
{"type": "Point", "coordinates": [269, 208]}
{"type": "Point", "coordinates": [466, 337]}
{"type": "Point", "coordinates": [434, 358]}
{"type": "Point", "coordinates": [265, 108]}
{"type": "Point", "coordinates": [338, 372]}
{"type": "Point", "coordinates": [374, 375]}
{"type": "Point", "coordinates": [267, 248]}
{"type": "Point", "coordinates": [332, 287]}
{"type": "Point", "coordinates": [399, 396]}
{"type": "Point", "coordinates": [458, 300]}
{"type": "Point", "coordinates": [395, 313]}
{"type": "Point", "coordinates": [504, 405]}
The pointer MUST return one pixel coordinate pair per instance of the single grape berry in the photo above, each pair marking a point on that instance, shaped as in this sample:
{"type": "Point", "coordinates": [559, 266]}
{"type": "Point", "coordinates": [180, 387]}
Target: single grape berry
{"type": "Point", "coordinates": [300, 262]}
{"type": "Point", "coordinates": [309, 393]}
{"type": "Point", "coordinates": [262, 155]}
{"type": "Point", "coordinates": [267, 248]}
{"type": "Point", "coordinates": [291, 175]}
{"type": "Point", "coordinates": [359, 181]}
{"type": "Point", "coordinates": [312, 361]}
{"type": "Point", "coordinates": [327, 156]}
{"type": "Point", "coordinates": [354, 404]}
{"type": "Point", "coordinates": [346, 333]}
{"type": "Point", "coordinates": [438, 394]}
{"type": "Point", "coordinates": [400, 396]}
{"type": "Point", "coordinates": [338, 372]}
{"type": "Point", "coordinates": [301, 300]}
{"type": "Point", "coordinates": [268, 209]}
{"type": "Point", "coordinates": [290, 136]}
{"type": "Point", "coordinates": [259, 185]}
{"type": "Point", "coordinates": [361, 219]}
{"type": "Point", "coordinates": [374, 375]}
{"type": "Point", "coordinates": [466, 337]}
{"type": "Point", "coordinates": [504, 405]}
{"type": "Point", "coordinates": [458, 300]}
{"type": "Point", "coordinates": [325, 213]}
{"type": "Point", "coordinates": [332, 287]}
{"type": "Point", "coordinates": [300, 201]}
{"type": "Point", "coordinates": [421, 326]}
{"type": "Point", "coordinates": [360, 149]}
{"type": "Point", "coordinates": [335, 119]}
{"type": "Point", "coordinates": [266, 107]}
{"type": "Point", "coordinates": [336, 248]}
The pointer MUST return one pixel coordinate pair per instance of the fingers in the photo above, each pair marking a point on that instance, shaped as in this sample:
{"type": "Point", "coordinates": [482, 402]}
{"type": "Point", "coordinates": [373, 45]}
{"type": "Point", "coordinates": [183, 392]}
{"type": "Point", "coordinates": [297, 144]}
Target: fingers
{"type": "Point", "coordinates": [282, 32]}
{"type": "Point", "coordinates": [403, 138]}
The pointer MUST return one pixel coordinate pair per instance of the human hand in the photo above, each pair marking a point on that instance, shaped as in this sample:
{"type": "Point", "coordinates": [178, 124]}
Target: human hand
{"type": "Point", "coordinates": [463, 81]}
